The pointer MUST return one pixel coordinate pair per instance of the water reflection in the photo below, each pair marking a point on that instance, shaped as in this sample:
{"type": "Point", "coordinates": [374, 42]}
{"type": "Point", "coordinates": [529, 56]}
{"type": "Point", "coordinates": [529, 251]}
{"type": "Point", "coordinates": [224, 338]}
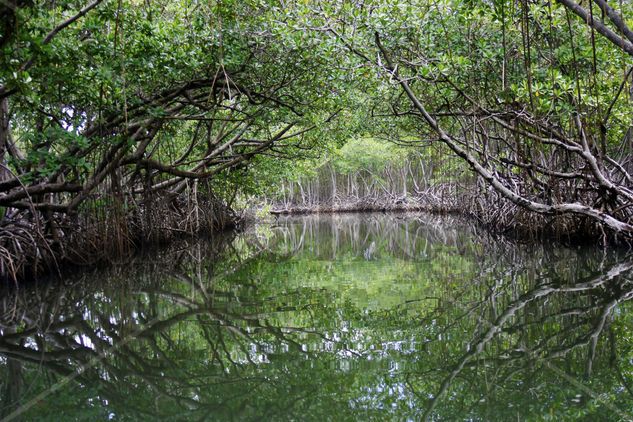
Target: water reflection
{"type": "Point", "coordinates": [341, 317]}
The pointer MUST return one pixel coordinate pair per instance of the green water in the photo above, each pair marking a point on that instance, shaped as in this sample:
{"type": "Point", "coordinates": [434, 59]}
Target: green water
{"type": "Point", "coordinates": [352, 317]}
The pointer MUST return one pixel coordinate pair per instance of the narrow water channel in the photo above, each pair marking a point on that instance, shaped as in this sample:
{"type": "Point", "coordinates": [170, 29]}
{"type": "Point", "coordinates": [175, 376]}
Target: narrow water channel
{"type": "Point", "coordinates": [350, 317]}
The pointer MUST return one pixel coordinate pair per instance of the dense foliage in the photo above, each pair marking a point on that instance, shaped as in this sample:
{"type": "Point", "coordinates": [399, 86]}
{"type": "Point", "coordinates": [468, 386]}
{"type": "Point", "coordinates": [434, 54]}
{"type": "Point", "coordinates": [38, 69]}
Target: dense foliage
{"type": "Point", "coordinates": [533, 99]}
{"type": "Point", "coordinates": [138, 114]}
{"type": "Point", "coordinates": [143, 115]}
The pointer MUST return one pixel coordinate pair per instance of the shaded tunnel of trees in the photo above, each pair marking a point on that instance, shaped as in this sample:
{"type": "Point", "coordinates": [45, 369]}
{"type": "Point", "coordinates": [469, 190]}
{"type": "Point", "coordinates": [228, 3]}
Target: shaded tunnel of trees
{"type": "Point", "coordinates": [124, 122]}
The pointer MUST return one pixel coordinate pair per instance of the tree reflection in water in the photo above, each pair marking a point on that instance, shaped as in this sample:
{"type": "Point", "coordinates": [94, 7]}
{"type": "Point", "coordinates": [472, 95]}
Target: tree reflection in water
{"type": "Point", "coordinates": [339, 317]}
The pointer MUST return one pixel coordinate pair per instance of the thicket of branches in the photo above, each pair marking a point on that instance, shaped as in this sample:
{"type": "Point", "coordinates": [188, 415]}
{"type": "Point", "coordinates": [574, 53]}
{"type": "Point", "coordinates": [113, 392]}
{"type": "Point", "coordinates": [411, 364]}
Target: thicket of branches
{"type": "Point", "coordinates": [532, 96]}
{"type": "Point", "coordinates": [134, 121]}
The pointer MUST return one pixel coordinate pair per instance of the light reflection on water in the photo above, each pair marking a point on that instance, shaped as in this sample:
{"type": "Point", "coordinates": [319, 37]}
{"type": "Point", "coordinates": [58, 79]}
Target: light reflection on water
{"type": "Point", "coordinates": [348, 317]}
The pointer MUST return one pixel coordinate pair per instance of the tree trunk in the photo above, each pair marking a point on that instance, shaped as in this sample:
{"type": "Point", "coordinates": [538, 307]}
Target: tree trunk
{"type": "Point", "coordinates": [5, 138]}
{"type": "Point", "coordinates": [333, 176]}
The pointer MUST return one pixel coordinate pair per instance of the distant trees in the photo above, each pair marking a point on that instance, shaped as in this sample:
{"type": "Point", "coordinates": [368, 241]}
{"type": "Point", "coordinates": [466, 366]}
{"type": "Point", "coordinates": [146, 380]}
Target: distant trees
{"type": "Point", "coordinates": [372, 174]}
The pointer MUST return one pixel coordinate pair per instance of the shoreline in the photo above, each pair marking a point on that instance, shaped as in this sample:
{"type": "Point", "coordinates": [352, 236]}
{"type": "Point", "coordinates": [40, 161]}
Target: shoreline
{"type": "Point", "coordinates": [510, 223]}
{"type": "Point", "coordinates": [97, 245]}
{"type": "Point", "coordinates": [33, 250]}
{"type": "Point", "coordinates": [364, 209]}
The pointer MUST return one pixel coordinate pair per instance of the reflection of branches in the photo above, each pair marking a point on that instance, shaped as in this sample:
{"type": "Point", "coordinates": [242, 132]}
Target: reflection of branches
{"type": "Point", "coordinates": [103, 339]}
{"type": "Point", "coordinates": [193, 319]}
{"type": "Point", "coordinates": [498, 326]}
{"type": "Point", "coordinates": [397, 235]}
{"type": "Point", "coordinates": [614, 362]}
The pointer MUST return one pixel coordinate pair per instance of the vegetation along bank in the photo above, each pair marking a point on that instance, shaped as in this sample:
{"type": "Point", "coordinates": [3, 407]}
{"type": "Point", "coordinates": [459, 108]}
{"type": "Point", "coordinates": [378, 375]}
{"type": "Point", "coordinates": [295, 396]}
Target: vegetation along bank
{"type": "Point", "coordinates": [126, 122]}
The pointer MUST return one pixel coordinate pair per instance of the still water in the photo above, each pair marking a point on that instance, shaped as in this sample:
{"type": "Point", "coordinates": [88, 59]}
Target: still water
{"type": "Point", "coordinates": [351, 317]}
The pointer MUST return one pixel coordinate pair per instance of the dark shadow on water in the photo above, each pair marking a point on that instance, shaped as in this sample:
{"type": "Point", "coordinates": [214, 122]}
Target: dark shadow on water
{"type": "Point", "coordinates": [351, 317]}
